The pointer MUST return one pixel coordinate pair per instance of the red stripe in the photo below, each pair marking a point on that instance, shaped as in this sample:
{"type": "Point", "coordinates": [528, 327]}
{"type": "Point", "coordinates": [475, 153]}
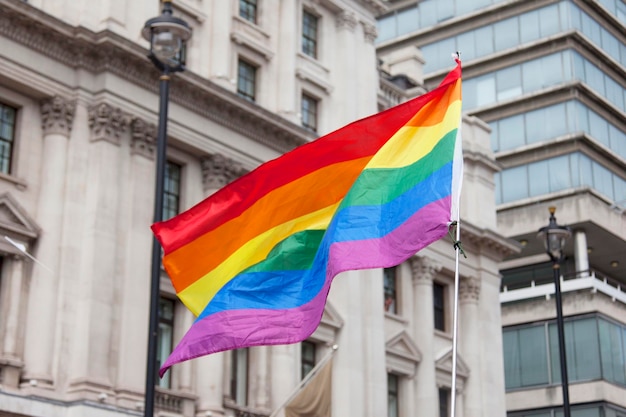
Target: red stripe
{"type": "Point", "coordinates": [356, 140]}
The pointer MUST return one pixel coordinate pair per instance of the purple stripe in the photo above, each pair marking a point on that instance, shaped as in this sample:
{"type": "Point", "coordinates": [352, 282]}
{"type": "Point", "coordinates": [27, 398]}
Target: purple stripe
{"type": "Point", "coordinates": [424, 227]}
{"type": "Point", "coordinates": [233, 329]}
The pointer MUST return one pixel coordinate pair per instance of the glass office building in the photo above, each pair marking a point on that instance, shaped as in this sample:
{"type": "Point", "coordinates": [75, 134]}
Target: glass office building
{"type": "Point", "coordinates": [549, 77]}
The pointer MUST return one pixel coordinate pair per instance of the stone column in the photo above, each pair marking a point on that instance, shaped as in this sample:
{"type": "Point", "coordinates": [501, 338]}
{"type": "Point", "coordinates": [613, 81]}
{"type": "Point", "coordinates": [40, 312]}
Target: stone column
{"type": "Point", "coordinates": [13, 288]}
{"type": "Point", "coordinates": [288, 47]}
{"type": "Point", "coordinates": [424, 271]}
{"type": "Point", "coordinates": [99, 278]}
{"type": "Point", "coordinates": [57, 116]}
{"type": "Point", "coordinates": [259, 367]}
{"type": "Point", "coordinates": [348, 82]}
{"type": "Point", "coordinates": [368, 97]}
{"type": "Point", "coordinates": [220, 67]}
{"type": "Point", "coordinates": [284, 375]}
{"type": "Point", "coordinates": [137, 193]}
{"type": "Point", "coordinates": [217, 171]}
{"type": "Point", "coordinates": [470, 343]}
{"type": "Point", "coordinates": [581, 256]}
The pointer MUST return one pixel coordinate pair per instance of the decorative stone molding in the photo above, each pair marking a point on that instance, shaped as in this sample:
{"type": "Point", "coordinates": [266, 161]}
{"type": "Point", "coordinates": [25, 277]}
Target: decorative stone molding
{"type": "Point", "coordinates": [402, 355]}
{"type": "Point", "coordinates": [370, 33]}
{"type": "Point", "coordinates": [443, 366]}
{"type": "Point", "coordinates": [346, 20]}
{"type": "Point", "coordinates": [218, 170]}
{"type": "Point", "coordinates": [57, 115]}
{"type": "Point", "coordinates": [143, 138]}
{"type": "Point", "coordinates": [487, 242]}
{"type": "Point", "coordinates": [469, 289]}
{"type": "Point", "coordinates": [105, 51]}
{"type": "Point", "coordinates": [107, 123]}
{"type": "Point", "coordinates": [423, 269]}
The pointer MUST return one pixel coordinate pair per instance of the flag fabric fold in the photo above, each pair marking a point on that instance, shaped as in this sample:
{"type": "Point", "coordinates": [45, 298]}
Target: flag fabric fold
{"type": "Point", "coordinates": [254, 261]}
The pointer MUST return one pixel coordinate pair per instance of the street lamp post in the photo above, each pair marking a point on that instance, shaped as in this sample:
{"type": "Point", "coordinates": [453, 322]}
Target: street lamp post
{"type": "Point", "coordinates": [554, 237]}
{"type": "Point", "coordinates": [167, 36]}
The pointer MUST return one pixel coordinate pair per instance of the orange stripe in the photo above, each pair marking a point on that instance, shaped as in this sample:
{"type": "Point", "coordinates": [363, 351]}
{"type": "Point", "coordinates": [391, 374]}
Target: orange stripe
{"type": "Point", "coordinates": [433, 112]}
{"type": "Point", "coordinates": [312, 192]}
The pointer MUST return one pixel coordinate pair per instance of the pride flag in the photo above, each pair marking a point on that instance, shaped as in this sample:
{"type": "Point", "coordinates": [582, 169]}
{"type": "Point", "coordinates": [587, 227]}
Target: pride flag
{"type": "Point", "coordinates": [254, 261]}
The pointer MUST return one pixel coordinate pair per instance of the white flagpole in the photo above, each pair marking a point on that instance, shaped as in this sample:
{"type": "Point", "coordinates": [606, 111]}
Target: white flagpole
{"type": "Point", "coordinates": [456, 212]}
{"type": "Point", "coordinates": [455, 325]}
{"type": "Point", "coordinates": [306, 380]}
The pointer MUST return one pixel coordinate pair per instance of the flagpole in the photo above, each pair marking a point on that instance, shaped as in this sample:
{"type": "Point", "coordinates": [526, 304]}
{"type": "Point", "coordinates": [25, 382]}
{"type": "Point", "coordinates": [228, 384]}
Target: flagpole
{"type": "Point", "coordinates": [306, 380]}
{"type": "Point", "coordinates": [455, 324]}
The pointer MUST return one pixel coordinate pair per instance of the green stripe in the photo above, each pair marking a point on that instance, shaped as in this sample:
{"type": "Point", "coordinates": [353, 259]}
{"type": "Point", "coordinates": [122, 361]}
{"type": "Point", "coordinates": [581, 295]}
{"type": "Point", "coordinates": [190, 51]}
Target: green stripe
{"type": "Point", "coordinates": [295, 252]}
{"type": "Point", "coordinates": [378, 186]}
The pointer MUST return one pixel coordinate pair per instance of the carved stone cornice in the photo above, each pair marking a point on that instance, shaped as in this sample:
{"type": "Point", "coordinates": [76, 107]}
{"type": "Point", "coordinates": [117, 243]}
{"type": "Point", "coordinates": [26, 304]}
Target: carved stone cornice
{"type": "Point", "coordinates": [218, 170]}
{"type": "Point", "coordinates": [106, 51]}
{"type": "Point", "coordinates": [487, 242]}
{"type": "Point", "coordinates": [346, 20]}
{"type": "Point", "coordinates": [469, 289]}
{"type": "Point", "coordinates": [107, 123]}
{"type": "Point", "coordinates": [143, 138]}
{"type": "Point", "coordinates": [370, 32]}
{"type": "Point", "coordinates": [423, 269]}
{"type": "Point", "coordinates": [57, 115]}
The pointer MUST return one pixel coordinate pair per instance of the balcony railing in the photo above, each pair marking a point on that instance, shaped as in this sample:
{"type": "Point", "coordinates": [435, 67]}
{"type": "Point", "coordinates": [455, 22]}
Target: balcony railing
{"type": "Point", "coordinates": [579, 281]}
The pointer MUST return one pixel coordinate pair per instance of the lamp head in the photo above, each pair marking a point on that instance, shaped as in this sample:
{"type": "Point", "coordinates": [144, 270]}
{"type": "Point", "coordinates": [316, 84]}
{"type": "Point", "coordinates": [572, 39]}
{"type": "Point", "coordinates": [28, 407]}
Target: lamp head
{"type": "Point", "coordinates": [554, 237]}
{"type": "Point", "coordinates": [167, 36]}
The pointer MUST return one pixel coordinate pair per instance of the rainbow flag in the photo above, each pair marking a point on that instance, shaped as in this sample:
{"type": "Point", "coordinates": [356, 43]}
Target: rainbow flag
{"type": "Point", "coordinates": [254, 261]}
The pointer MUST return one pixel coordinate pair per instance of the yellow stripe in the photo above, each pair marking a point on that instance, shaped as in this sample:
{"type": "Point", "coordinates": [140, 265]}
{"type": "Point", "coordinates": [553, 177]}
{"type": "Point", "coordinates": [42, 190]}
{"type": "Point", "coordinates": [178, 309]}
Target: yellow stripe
{"type": "Point", "coordinates": [197, 295]}
{"type": "Point", "coordinates": [411, 143]}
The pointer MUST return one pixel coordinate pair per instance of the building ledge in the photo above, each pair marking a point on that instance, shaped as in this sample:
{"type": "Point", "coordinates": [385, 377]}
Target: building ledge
{"type": "Point", "coordinates": [586, 280]}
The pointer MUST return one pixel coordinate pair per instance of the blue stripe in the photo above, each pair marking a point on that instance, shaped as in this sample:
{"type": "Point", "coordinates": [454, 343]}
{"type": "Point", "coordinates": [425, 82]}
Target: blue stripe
{"type": "Point", "coordinates": [293, 288]}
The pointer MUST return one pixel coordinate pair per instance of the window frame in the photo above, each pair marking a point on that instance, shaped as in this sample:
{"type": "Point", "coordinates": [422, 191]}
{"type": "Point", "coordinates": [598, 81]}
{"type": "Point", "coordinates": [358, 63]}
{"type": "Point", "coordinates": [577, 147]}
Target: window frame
{"type": "Point", "coordinates": [248, 10]}
{"type": "Point", "coordinates": [240, 366]}
{"type": "Point", "coordinates": [172, 187]}
{"type": "Point", "coordinates": [246, 80]}
{"type": "Point", "coordinates": [394, 395]}
{"type": "Point", "coordinates": [311, 112]}
{"type": "Point", "coordinates": [309, 37]}
{"type": "Point", "coordinates": [164, 351]}
{"type": "Point", "coordinates": [10, 142]}
{"type": "Point", "coordinates": [390, 292]}
{"type": "Point", "coordinates": [306, 363]}
{"type": "Point", "coordinates": [439, 309]}
{"type": "Point", "coordinates": [444, 397]}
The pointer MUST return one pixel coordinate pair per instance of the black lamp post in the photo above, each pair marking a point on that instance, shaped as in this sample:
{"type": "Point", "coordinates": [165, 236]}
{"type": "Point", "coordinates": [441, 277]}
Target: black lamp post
{"type": "Point", "coordinates": [167, 36]}
{"type": "Point", "coordinates": [554, 237]}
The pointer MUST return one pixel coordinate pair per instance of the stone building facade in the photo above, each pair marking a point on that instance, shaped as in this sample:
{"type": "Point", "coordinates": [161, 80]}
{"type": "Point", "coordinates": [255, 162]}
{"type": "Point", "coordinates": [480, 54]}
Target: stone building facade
{"type": "Point", "coordinates": [78, 106]}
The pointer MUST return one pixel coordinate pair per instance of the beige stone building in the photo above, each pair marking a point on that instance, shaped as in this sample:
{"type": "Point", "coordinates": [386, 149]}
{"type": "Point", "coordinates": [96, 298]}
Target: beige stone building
{"type": "Point", "coordinates": [78, 110]}
{"type": "Point", "coordinates": [550, 79]}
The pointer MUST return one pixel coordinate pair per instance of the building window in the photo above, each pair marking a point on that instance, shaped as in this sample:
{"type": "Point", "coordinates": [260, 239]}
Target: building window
{"type": "Point", "coordinates": [389, 280]}
{"type": "Point", "coordinates": [444, 402]}
{"type": "Point", "coordinates": [7, 131]}
{"type": "Point", "coordinates": [594, 347]}
{"type": "Point", "coordinates": [247, 10]}
{"type": "Point", "coordinates": [246, 80]}
{"type": "Point", "coordinates": [307, 358]}
{"type": "Point", "coordinates": [393, 395]}
{"type": "Point", "coordinates": [239, 376]}
{"type": "Point", "coordinates": [165, 338]}
{"type": "Point", "coordinates": [309, 34]}
{"type": "Point", "coordinates": [171, 190]}
{"type": "Point", "coordinates": [309, 112]}
{"type": "Point", "coordinates": [439, 305]}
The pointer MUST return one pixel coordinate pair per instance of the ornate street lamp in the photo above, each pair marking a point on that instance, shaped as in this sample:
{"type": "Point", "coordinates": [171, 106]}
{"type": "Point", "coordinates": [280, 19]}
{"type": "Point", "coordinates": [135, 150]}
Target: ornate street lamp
{"type": "Point", "coordinates": [554, 238]}
{"type": "Point", "coordinates": [167, 36]}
